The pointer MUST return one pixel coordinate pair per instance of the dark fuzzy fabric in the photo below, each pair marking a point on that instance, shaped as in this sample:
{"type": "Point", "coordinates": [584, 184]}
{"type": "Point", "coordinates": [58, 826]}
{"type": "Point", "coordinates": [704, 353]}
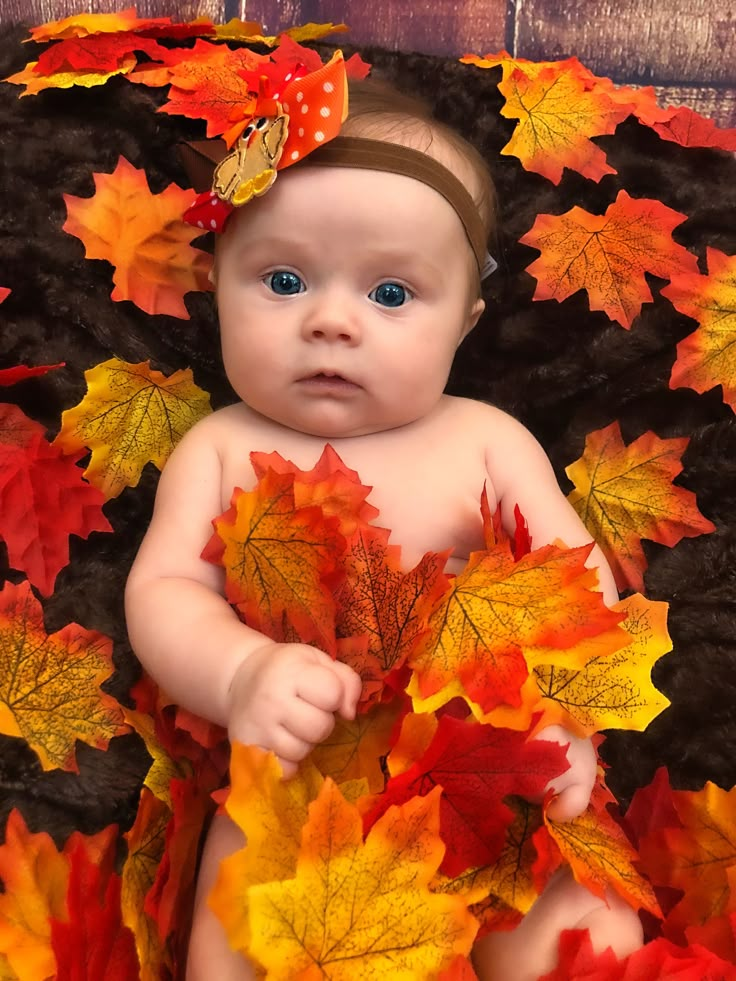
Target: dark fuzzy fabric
{"type": "Point", "coordinates": [563, 370]}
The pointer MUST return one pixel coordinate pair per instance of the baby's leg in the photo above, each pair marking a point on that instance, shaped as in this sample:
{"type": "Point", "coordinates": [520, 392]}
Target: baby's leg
{"type": "Point", "coordinates": [530, 951]}
{"type": "Point", "coordinates": [210, 956]}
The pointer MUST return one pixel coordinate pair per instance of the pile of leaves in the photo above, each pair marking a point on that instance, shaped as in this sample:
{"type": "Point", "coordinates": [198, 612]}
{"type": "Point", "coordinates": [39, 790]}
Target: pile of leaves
{"type": "Point", "coordinates": [106, 786]}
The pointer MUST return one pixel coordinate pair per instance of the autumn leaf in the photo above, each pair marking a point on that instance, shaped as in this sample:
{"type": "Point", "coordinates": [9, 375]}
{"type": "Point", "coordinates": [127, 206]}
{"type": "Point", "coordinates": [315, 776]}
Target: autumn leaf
{"type": "Point", "coordinates": [476, 766]}
{"type": "Point", "coordinates": [600, 855]}
{"type": "Point", "coordinates": [354, 749]}
{"type": "Point", "coordinates": [707, 357]}
{"type": "Point", "coordinates": [271, 812]}
{"type": "Point", "coordinates": [146, 843]}
{"type": "Point", "coordinates": [305, 32]}
{"type": "Point", "coordinates": [10, 376]}
{"type": "Point", "coordinates": [500, 617]}
{"type": "Point", "coordinates": [43, 500]}
{"type": "Point", "coordinates": [82, 25]}
{"type": "Point", "coordinates": [91, 940]}
{"type": "Point", "coordinates": [35, 83]}
{"type": "Point", "coordinates": [657, 959]}
{"type": "Point", "coordinates": [49, 683]}
{"type": "Point", "coordinates": [280, 561]}
{"type": "Point", "coordinates": [34, 877]}
{"type": "Point", "coordinates": [216, 91]}
{"type": "Point", "coordinates": [625, 493]}
{"type": "Point", "coordinates": [380, 602]}
{"type": "Point", "coordinates": [500, 893]}
{"type": "Point", "coordinates": [143, 236]}
{"type": "Point", "coordinates": [95, 53]}
{"type": "Point", "coordinates": [4, 293]}
{"type": "Point", "coordinates": [357, 910]}
{"type": "Point", "coordinates": [329, 485]}
{"type": "Point", "coordinates": [688, 128]}
{"type": "Point", "coordinates": [614, 691]}
{"type": "Point", "coordinates": [607, 255]}
{"type": "Point", "coordinates": [131, 415]}
{"type": "Point", "coordinates": [698, 857]}
{"type": "Point", "coordinates": [171, 897]}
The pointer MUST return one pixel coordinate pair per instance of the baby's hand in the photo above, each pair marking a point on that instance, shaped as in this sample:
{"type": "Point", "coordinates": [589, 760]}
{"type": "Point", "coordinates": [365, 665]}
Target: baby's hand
{"type": "Point", "coordinates": [284, 697]}
{"type": "Point", "coordinates": [573, 787]}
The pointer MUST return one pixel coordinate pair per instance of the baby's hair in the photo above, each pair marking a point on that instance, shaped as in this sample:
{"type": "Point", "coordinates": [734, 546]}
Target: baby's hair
{"type": "Point", "coordinates": [379, 111]}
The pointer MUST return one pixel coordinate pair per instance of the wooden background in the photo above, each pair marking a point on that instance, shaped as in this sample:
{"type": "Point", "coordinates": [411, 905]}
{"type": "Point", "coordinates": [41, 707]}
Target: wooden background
{"type": "Point", "coordinates": [687, 50]}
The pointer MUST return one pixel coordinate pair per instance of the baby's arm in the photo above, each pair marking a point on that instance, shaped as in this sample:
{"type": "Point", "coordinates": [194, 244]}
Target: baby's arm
{"type": "Point", "coordinates": [522, 475]}
{"type": "Point", "coordinates": [279, 696]}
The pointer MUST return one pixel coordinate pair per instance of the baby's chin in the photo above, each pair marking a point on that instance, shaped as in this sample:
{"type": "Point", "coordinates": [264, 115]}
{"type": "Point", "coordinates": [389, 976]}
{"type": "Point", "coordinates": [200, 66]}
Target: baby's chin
{"type": "Point", "coordinates": [336, 429]}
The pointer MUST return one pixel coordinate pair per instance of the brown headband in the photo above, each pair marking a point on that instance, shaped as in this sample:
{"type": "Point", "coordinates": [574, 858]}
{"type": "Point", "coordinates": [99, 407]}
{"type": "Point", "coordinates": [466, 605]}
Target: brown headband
{"type": "Point", "coordinates": [354, 151]}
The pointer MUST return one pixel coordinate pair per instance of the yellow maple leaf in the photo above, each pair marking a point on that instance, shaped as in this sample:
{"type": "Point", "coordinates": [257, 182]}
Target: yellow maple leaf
{"type": "Point", "coordinates": [130, 416]}
{"type": "Point", "coordinates": [501, 617]}
{"type": "Point", "coordinates": [146, 843]}
{"type": "Point", "coordinates": [35, 83]}
{"type": "Point", "coordinates": [558, 113]}
{"type": "Point", "coordinates": [359, 910]}
{"type": "Point", "coordinates": [163, 769]}
{"type": "Point", "coordinates": [35, 878]}
{"type": "Point", "coordinates": [144, 237]}
{"type": "Point", "coordinates": [614, 691]}
{"type": "Point", "coordinates": [707, 357]}
{"type": "Point", "coordinates": [625, 493]}
{"type": "Point", "coordinates": [271, 812]}
{"type": "Point", "coordinates": [49, 683]}
{"type": "Point", "coordinates": [301, 33]}
{"type": "Point", "coordinates": [354, 749]}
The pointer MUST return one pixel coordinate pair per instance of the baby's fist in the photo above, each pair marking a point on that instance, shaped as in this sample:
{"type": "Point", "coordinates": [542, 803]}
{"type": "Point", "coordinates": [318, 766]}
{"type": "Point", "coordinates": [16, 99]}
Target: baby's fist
{"type": "Point", "coordinates": [573, 787]}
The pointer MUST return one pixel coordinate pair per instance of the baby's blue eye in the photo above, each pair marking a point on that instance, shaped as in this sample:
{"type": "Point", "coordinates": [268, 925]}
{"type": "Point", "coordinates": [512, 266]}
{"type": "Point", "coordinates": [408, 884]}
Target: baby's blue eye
{"type": "Point", "coordinates": [390, 295]}
{"type": "Point", "coordinates": [284, 283]}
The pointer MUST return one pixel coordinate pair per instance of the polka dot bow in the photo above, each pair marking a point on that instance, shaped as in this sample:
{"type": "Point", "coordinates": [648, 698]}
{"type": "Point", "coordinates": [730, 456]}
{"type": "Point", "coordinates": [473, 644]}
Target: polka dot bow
{"type": "Point", "coordinates": [286, 126]}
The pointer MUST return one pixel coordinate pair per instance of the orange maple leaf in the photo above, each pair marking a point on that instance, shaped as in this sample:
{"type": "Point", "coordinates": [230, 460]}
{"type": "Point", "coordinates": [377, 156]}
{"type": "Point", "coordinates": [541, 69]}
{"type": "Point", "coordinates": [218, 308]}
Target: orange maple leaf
{"type": "Point", "coordinates": [607, 255]}
{"type": "Point", "coordinates": [34, 877]}
{"type": "Point", "coordinates": [329, 485]}
{"type": "Point", "coordinates": [281, 562]}
{"type": "Point", "coordinates": [614, 691]}
{"type": "Point", "coordinates": [707, 357]}
{"type": "Point", "coordinates": [143, 236]}
{"type": "Point", "coordinates": [500, 617]}
{"type": "Point", "coordinates": [688, 128]}
{"type": "Point", "coordinates": [361, 909]}
{"type": "Point", "coordinates": [82, 25]}
{"type": "Point", "coordinates": [600, 855]}
{"type": "Point", "coordinates": [49, 683]}
{"type": "Point", "coordinates": [625, 493]}
{"type": "Point", "coordinates": [381, 603]}
{"type": "Point", "coordinates": [216, 91]}
{"type": "Point", "coordinates": [698, 857]}
{"type": "Point", "coordinates": [130, 416]}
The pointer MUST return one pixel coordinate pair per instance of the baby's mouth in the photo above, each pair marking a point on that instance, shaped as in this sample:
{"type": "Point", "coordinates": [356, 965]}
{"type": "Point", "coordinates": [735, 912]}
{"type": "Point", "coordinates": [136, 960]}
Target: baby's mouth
{"type": "Point", "coordinates": [329, 379]}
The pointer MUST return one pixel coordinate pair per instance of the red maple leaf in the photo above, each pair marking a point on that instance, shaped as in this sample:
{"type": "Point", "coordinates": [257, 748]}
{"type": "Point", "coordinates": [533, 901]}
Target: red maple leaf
{"type": "Point", "coordinates": [43, 500]}
{"type": "Point", "coordinates": [658, 959]}
{"type": "Point", "coordinates": [93, 943]}
{"type": "Point", "coordinates": [476, 766]}
{"type": "Point", "coordinates": [9, 376]}
{"type": "Point", "coordinates": [95, 53]}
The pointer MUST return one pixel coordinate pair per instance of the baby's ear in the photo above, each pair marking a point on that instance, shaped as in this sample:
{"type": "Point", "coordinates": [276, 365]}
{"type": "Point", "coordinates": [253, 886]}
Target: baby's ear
{"type": "Point", "coordinates": [473, 317]}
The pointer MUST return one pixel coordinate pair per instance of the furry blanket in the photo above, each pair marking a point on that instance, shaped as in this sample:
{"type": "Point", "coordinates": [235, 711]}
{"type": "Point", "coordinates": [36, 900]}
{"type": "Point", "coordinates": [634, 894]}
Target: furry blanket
{"type": "Point", "coordinates": [562, 370]}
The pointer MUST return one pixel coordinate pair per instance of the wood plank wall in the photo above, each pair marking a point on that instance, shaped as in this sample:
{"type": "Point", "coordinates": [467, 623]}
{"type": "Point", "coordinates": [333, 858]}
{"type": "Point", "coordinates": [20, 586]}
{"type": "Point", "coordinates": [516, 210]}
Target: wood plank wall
{"type": "Point", "coordinates": [686, 50]}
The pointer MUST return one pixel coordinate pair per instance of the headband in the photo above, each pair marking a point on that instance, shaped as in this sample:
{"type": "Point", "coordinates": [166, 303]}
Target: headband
{"type": "Point", "coordinates": [303, 126]}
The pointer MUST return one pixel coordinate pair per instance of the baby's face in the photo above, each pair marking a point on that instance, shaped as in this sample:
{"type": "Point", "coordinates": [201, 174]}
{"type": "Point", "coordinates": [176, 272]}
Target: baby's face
{"type": "Point", "coordinates": [343, 295]}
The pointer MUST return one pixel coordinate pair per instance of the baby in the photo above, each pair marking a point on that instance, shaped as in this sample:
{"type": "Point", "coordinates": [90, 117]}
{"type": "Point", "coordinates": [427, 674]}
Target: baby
{"type": "Point", "coordinates": [343, 293]}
